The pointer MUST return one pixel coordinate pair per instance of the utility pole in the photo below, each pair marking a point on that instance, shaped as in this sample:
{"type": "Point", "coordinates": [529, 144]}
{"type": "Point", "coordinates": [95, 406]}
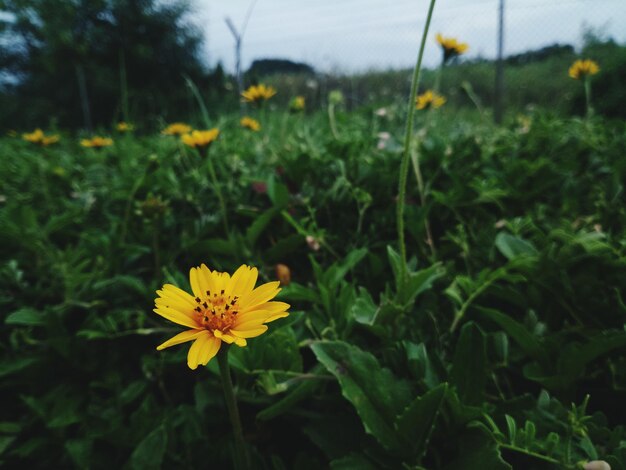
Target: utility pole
{"type": "Point", "coordinates": [238, 35]}
{"type": "Point", "coordinates": [498, 105]}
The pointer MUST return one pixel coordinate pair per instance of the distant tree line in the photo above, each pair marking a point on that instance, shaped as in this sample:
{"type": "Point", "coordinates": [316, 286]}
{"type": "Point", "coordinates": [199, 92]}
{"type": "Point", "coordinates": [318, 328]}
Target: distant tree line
{"type": "Point", "coordinates": [86, 62]}
{"type": "Point", "coordinates": [90, 63]}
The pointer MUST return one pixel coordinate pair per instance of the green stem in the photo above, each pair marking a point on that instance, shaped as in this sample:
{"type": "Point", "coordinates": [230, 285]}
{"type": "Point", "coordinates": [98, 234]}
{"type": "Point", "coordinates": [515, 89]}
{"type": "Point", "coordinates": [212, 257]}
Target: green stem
{"type": "Point", "coordinates": [241, 456]}
{"type": "Point", "coordinates": [437, 86]}
{"type": "Point", "coordinates": [333, 121]}
{"type": "Point", "coordinates": [530, 453]}
{"type": "Point", "coordinates": [588, 97]}
{"type": "Point", "coordinates": [404, 166]}
{"type": "Point", "coordinates": [420, 188]}
{"type": "Point", "coordinates": [218, 192]}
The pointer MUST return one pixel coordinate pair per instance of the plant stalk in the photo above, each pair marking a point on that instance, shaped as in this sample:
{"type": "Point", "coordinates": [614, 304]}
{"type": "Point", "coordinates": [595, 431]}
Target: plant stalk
{"type": "Point", "coordinates": [404, 165]}
{"type": "Point", "coordinates": [218, 191]}
{"type": "Point", "coordinates": [588, 97]}
{"type": "Point", "coordinates": [241, 456]}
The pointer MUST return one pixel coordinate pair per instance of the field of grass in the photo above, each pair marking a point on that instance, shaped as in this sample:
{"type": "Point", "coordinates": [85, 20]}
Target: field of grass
{"type": "Point", "coordinates": [504, 349]}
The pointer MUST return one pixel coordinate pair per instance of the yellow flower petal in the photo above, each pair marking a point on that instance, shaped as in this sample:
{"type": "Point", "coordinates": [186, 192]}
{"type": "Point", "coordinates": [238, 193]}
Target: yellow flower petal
{"type": "Point", "coordinates": [180, 338]}
{"type": "Point", "coordinates": [230, 339]}
{"type": "Point", "coordinates": [251, 324]}
{"type": "Point", "coordinates": [206, 279]}
{"type": "Point", "coordinates": [170, 290]}
{"type": "Point", "coordinates": [173, 303]}
{"type": "Point", "coordinates": [270, 307]}
{"type": "Point", "coordinates": [243, 281]}
{"type": "Point", "coordinates": [176, 317]}
{"type": "Point", "coordinates": [277, 316]}
{"type": "Point", "coordinates": [194, 280]}
{"type": "Point", "coordinates": [251, 333]}
{"type": "Point", "coordinates": [260, 295]}
{"type": "Point", "coordinates": [202, 350]}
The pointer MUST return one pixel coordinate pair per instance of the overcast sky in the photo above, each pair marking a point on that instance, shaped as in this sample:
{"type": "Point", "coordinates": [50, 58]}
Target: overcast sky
{"type": "Point", "coordinates": [355, 35]}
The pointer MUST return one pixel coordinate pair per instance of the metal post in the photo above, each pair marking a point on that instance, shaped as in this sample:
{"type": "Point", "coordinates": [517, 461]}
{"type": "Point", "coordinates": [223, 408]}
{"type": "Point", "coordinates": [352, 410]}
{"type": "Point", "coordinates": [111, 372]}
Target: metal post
{"type": "Point", "coordinates": [498, 106]}
{"type": "Point", "coordinates": [238, 40]}
{"type": "Point", "coordinates": [237, 37]}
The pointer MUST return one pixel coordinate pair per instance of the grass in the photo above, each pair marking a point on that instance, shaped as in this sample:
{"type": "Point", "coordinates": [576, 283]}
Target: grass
{"type": "Point", "coordinates": [504, 348]}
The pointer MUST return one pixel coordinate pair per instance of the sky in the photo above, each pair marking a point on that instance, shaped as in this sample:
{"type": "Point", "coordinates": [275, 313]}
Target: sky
{"type": "Point", "coordinates": [359, 35]}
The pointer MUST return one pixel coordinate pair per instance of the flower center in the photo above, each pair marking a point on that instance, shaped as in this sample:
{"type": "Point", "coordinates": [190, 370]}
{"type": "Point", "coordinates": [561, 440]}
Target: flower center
{"type": "Point", "coordinates": [216, 311]}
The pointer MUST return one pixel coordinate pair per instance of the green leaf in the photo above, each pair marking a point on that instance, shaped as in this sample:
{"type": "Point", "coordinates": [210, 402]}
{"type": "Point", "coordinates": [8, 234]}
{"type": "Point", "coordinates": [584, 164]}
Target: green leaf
{"type": "Point", "coordinates": [277, 192]}
{"type": "Point", "coordinates": [5, 442]}
{"type": "Point", "coordinates": [595, 348]}
{"type": "Point", "coordinates": [295, 292]}
{"type": "Point", "coordinates": [477, 451]}
{"type": "Point", "coordinates": [80, 451]}
{"type": "Point", "coordinates": [364, 309]}
{"type": "Point", "coordinates": [10, 366]}
{"type": "Point", "coordinates": [469, 368]}
{"type": "Point", "coordinates": [518, 332]}
{"type": "Point", "coordinates": [150, 451]}
{"type": "Point", "coordinates": [420, 364]}
{"type": "Point", "coordinates": [395, 261]}
{"type": "Point", "coordinates": [303, 390]}
{"type": "Point", "coordinates": [417, 422]}
{"type": "Point", "coordinates": [376, 394]}
{"type": "Point", "coordinates": [260, 224]}
{"type": "Point", "coordinates": [26, 316]}
{"type": "Point", "coordinates": [418, 282]}
{"type": "Point", "coordinates": [352, 462]}
{"type": "Point", "coordinates": [283, 248]}
{"type": "Point", "coordinates": [512, 247]}
{"type": "Point", "coordinates": [512, 427]}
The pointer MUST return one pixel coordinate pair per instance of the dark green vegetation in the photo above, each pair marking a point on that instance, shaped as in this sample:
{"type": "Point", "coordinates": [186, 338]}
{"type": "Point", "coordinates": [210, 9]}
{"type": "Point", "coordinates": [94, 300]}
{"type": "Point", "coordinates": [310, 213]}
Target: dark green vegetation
{"type": "Point", "coordinates": [506, 347]}
{"type": "Point", "coordinates": [534, 79]}
{"type": "Point", "coordinates": [89, 62]}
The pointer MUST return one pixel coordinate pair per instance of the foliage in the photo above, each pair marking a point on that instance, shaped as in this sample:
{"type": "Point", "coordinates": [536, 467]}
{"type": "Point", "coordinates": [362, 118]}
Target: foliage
{"type": "Point", "coordinates": [95, 57]}
{"type": "Point", "coordinates": [505, 348]}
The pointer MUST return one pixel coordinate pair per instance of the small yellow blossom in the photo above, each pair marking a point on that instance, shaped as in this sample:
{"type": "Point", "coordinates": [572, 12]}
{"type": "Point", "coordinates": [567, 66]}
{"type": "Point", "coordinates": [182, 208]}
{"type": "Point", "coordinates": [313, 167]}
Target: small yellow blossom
{"type": "Point", "coordinates": [50, 139]}
{"type": "Point", "coordinates": [249, 123]}
{"type": "Point", "coordinates": [97, 142]}
{"type": "Point", "coordinates": [258, 93]}
{"type": "Point", "coordinates": [34, 137]}
{"type": "Point", "coordinates": [39, 138]}
{"type": "Point", "coordinates": [176, 128]}
{"type": "Point", "coordinates": [221, 309]}
{"type": "Point", "coordinates": [451, 47]}
{"type": "Point", "coordinates": [583, 68]}
{"type": "Point", "coordinates": [200, 139]}
{"type": "Point", "coordinates": [297, 103]}
{"type": "Point", "coordinates": [124, 127]}
{"type": "Point", "coordinates": [429, 99]}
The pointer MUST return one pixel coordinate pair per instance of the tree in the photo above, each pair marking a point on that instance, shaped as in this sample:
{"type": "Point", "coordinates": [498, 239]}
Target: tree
{"type": "Point", "coordinates": [86, 61]}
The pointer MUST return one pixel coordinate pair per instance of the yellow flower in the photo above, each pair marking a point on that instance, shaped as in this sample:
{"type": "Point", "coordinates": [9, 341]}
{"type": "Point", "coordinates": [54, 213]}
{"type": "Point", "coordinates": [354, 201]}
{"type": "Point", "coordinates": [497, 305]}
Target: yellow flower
{"type": "Point", "coordinates": [124, 127]}
{"type": "Point", "coordinates": [200, 139]}
{"type": "Point", "coordinates": [250, 123]}
{"type": "Point", "coordinates": [583, 68]}
{"type": "Point", "coordinates": [34, 137]}
{"type": "Point", "coordinates": [297, 103]}
{"type": "Point", "coordinates": [429, 99]}
{"type": "Point", "coordinates": [96, 142]}
{"type": "Point", "coordinates": [39, 138]}
{"type": "Point", "coordinates": [451, 47]}
{"type": "Point", "coordinates": [222, 308]}
{"type": "Point", "coordinates": [177, 128]}
{"type": "Point", "coordinates": [50, 139]}
{"type": "Point", "coordinates": [258, 93]}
